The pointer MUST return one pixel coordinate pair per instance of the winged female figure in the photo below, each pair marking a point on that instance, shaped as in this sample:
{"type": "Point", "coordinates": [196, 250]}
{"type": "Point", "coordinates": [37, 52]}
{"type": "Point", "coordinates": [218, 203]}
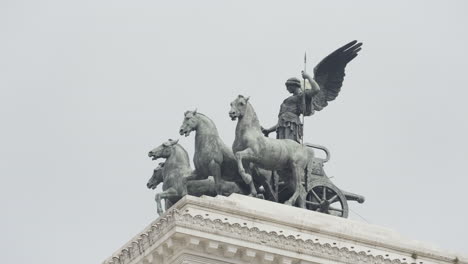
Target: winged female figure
{"type": "Point", "coordinates": [325, 87]}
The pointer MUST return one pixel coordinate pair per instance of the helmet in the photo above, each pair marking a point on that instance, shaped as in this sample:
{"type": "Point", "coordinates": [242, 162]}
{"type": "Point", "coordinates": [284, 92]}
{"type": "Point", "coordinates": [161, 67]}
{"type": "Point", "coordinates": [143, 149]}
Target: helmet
{"type": "Point", "coordinates": [293, 82]}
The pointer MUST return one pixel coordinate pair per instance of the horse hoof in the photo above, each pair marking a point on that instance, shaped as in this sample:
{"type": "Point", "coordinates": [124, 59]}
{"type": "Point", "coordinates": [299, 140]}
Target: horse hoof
{"type": "Point", "coordinates": [288, 203]}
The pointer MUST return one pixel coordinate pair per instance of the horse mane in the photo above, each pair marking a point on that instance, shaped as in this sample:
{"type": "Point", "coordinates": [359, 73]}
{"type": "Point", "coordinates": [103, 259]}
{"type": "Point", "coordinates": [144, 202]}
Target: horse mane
{"type": "Point", "coordinates": [198, 113]}
{"type": "Point", "coordinates": [204, 116]}
{"type": "Point", "coordinates": [184, 153]}
{"type": "Point", "coordinates": [253, 114]}
{"type": "Point", "coordinates": [209, 120]}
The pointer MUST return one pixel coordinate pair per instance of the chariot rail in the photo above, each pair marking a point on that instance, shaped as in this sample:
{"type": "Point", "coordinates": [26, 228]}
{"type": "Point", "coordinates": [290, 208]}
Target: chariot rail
{"type": "Point", "coordinates": [324, 149]}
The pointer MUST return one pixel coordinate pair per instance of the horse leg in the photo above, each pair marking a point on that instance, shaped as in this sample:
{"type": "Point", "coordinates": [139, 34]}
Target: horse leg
{"type": "Point", "coordinates": [297, 181]}
{"type": "Point", "coordinates": [275, 181]}
{"type": "Point", "coordinates": [158, 203]}
{"type": "Point", "coordinates": [215, 171]}
{"type": "Point", "coordinates": [246, 154]}
{"type": "Point", "coordinates": [301, 200]}
{"type": "Point", "coordinates": [239, 156]}
{"type": "Point", "coordinates": [266, 181]}
{"type": "Point", "coordinates": [193, 176]}
{"type": "Point", "coordinates": [169, 193]}
{"type": "Point", "coordinates": [201, 187]}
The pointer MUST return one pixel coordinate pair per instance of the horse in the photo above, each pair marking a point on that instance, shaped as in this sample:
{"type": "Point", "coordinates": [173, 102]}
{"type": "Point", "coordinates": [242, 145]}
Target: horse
{"type": "Point", "coordinates": [213, 157]}
{"type": "Point", "coordinates": [251, 146]}
{"type": "Point", "coordinates": [155, 180]}
{"type": "Point", "coordinates": [175, 174]}
{"type": "Point", "coordinates": [157, 177]}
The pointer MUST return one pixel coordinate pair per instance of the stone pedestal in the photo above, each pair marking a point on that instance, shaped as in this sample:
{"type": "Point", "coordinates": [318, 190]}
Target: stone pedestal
{"type": "Point", "coordinates": [241, 229]}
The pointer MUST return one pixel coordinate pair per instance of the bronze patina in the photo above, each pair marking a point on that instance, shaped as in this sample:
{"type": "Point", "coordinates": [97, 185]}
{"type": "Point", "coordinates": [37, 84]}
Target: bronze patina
{"type": "Point", "coordinates": [325, 86]}
{"type": "Point", "coordinates": [283, 170]}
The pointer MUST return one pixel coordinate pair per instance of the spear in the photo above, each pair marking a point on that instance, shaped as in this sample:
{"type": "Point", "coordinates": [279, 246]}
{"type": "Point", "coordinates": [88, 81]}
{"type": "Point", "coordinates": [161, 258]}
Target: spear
{"type": "Point", "coordinates": [304, 98]}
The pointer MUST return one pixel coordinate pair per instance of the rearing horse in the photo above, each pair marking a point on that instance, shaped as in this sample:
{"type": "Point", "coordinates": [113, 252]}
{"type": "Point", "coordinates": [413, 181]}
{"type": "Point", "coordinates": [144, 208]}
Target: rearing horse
{"type": "Point", "coordinates": [213, 158]}
{"type": "Point", "coordinates": [250, 145]}
{"type": "Point", "coordinates": [175, 170]}
{"type": "Point", "coordinates": [175, 174]}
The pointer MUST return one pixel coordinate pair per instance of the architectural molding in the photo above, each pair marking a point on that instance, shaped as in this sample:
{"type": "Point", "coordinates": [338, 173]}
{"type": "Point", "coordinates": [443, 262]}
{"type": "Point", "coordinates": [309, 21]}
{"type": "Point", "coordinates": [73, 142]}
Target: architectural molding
{"type": "Point", "coordinates": [194, 228]}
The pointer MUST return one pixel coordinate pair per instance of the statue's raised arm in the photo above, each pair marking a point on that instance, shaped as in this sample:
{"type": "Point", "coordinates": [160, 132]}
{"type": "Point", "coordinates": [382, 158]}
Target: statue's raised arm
{"type": "Point", "coordinates": [329, 74]}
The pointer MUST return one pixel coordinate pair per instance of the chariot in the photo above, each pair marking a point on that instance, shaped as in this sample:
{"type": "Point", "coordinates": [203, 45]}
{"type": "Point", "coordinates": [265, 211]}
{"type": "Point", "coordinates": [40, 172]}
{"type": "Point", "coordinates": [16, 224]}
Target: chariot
{"type": "Point", "coordinates": [280, 170]}
{"type": "Point", "coordinates": [321, 194]}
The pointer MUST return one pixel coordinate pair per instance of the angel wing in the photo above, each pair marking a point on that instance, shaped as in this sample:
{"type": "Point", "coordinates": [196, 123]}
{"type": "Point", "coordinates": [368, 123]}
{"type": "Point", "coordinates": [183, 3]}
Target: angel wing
{"type": "Point", "coordinates": [330, 72]}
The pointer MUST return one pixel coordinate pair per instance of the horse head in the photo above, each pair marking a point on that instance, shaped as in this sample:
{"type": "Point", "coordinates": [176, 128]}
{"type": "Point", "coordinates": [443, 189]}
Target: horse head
{"type": "Point", "coordinates": [157, 177]}
{"type": "Point", "coordinates": [189, 124]}
{"type": "Point", "coordinates": [164, 150]}
{"type": "Point", "coordinates": [238, 107]}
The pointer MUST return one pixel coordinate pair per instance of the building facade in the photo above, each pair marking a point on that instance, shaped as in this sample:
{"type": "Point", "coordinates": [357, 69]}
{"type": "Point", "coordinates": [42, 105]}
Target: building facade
{"type": "Point", "coordinates": [240, 229]}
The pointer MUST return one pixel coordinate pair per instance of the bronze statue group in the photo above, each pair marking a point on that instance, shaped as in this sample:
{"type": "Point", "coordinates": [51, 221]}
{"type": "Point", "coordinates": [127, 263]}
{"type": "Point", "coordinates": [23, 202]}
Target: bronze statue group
{"type": "Point", "coordinates": [283, 170]}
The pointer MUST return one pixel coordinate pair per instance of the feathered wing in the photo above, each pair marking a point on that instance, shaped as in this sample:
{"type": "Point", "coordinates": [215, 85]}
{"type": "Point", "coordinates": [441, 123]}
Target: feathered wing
{"type": "Point", "coordinates": [330, 72]}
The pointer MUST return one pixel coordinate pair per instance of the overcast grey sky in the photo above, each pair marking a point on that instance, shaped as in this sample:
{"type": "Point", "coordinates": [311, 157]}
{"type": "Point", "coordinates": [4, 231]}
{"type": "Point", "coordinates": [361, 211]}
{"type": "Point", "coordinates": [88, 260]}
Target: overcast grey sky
{"type": "Point", "coordinates": [87, 88]}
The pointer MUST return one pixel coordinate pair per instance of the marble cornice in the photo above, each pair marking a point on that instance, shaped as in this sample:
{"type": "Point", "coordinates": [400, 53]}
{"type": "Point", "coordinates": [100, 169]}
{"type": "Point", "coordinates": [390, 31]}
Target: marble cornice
{"type": "Point", "coordinates": [164, 227]}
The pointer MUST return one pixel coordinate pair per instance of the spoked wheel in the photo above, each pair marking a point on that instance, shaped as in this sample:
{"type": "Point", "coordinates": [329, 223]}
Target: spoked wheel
{"type": "Point", "coordinates": [326, 198]}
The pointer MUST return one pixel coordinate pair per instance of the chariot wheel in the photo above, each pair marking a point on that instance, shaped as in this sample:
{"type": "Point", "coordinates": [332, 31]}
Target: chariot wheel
{"type": "Point", "coordinates": [326, 198]}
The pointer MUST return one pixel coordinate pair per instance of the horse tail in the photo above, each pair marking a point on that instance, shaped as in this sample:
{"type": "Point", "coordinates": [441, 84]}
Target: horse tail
{"type": "Point", "coordinates": [324, 149]}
